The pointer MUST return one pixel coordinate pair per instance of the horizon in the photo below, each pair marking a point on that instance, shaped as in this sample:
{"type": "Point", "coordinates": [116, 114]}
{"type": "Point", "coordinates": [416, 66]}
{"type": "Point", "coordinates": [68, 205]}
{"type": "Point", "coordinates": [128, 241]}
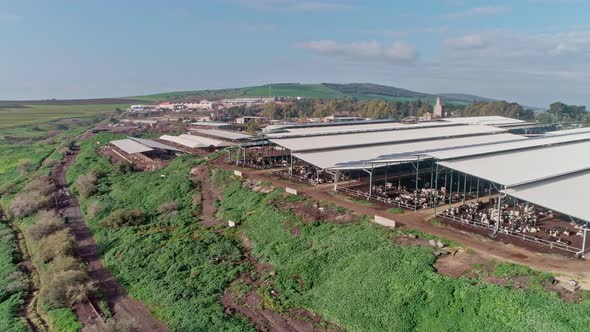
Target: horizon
{"type": "Point", "coordinates": [502, 50]}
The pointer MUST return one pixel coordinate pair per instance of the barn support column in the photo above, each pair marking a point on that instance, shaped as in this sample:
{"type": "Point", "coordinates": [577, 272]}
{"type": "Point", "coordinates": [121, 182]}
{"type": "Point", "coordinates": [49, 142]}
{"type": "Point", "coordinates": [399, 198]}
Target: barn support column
{"type": "Point", "coordinates": [238, 156]}
{"type": "Point", "coordinates": [477, 191]}
{"type": "Point", "coordinates": [446, 188]}
{"type": "Point", "coordinates": [451, 191]}
{"type": "Point", "coordinates": [416, 195]}
{"type": "Point", "coordinates": [435, 198]}
{"type": "Point", "coordinates": [370, 181]}
{"type": "Point", "coordinates": [464, 189]}
{"type": "Point", "coordinates": [291, 168]}
{"type": "Point", "coordinates": [336, 178]}
{"type": "Point", "coordinates": [584, 241]}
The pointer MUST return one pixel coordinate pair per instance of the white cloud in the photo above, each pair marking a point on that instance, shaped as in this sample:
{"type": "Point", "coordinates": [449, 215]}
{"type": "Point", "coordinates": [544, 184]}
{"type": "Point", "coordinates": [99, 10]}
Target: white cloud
{"type": "Point", "coordinates": [439, 29]}
{"type": "Point", "coordinates": [471, 42]}
{"type": "Point", "coordinates": [479, 11]}
{"type": "Point", "coordinates": [399, 52]}
{"type": "Point", "coordinates": [294, 5]}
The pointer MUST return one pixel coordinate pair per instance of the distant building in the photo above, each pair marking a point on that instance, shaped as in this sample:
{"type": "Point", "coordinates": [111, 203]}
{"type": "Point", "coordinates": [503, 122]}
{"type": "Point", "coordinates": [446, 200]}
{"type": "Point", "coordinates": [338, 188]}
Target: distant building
{"type": "Point", "coordinates": [439, 109]}
{"type": "Point", "coordinates": [335, 118]}
{"type": "Point", "coordinates": [247, 119]}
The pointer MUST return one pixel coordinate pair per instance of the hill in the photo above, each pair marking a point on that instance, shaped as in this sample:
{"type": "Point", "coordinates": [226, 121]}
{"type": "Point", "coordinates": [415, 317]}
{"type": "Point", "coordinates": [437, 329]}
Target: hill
{"type": "Point", "coordinates": [323, 90]}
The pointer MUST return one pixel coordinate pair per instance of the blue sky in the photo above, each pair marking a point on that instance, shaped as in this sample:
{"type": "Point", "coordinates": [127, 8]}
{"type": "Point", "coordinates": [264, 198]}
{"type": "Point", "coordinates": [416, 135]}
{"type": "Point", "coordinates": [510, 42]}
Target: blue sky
{"type": "Point", "coordinates": [530, 51]}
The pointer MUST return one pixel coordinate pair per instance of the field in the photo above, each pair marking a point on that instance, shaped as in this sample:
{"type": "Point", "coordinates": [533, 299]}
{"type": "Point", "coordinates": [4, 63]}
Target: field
{"type": "Point", "coordinates": [33, 114]}
{"type": "Point", "coordinates": [355, 276]}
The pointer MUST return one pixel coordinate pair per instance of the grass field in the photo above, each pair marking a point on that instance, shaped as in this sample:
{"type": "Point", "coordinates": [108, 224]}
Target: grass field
{"type": "Point", "coordinates": [11, 284]}
{"type": "Point", "coordinates": [29, 115]}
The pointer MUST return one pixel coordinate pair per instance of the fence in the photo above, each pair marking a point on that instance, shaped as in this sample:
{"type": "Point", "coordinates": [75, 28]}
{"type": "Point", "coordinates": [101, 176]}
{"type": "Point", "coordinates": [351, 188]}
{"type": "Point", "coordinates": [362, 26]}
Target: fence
{"type": "Point", "coordinates": [516, 235]}
{"type": "Point", "coordinates": [365, 195]}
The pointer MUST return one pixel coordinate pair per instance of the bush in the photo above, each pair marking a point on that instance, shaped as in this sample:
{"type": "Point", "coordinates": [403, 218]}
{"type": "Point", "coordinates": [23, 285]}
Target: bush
{"type": "Point", "coordinates": [47, 223]}
{"type": "Point", "coordinates": [41, 184]}
{"type": "Point", "coordinates": [63, 263]}
{"type": "Point", "coordinates": [86, 184]}
{"type": "Point", "coordinates": [94, 208]}
{"type": "Point", "coordinates": [25, 166]}
{"type": "Point", "coordinates": [56, 244]}
{"type": "Point", "coordinates": [167, 207]}
{"type": "Point", "coordinates": [65, 288]}
{"type": "Point", "coordinates": [64, 320]}
{"type": "Point", "coordinates": [27, 203]}
{"type": "Point", "coordinates": [122, 217]}
{"type": "Point", "coordinates": [122, 168]}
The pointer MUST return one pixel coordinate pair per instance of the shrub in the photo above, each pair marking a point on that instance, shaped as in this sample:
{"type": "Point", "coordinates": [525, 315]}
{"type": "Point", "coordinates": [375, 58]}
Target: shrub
{"type": "Point", "coordinates": [122, 217]}
{"type": "Point", "coordinates": [65, 288]}
{"type": "Point", "coordinates": [41, 184]}
{"type": "Point", "coordinates": [122, 168]}
{"type": "Point", "coordinates": [47, 223]}
{"type": "Point", "coordinates": [58, 243]}
{"type": "Point", "coordinates": [27, 203]}
{"type": "Point", "coordinates": [25, 166]}
{"type": "Point", "coordinates": [86, 184]}
{"type": "Point", "coordinates": [94, 208]}
{"type": "Point", "coordinates": [167, 207]}
{"type": "Point", "coordinates": [63, 263]}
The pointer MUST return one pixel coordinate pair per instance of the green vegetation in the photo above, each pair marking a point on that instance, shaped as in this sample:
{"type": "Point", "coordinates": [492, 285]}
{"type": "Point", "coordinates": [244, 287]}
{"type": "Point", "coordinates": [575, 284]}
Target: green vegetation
{"type": "Point", "coordinates": [501, 108]}
{"type": "Point", "coordinates": [12, 283]}
{"type": "Point", "coordinates": [167, 260]}
{"type": "Point", "coordinates": [356, 277]}
{"type": "Point", "coordinates": [64, 320]}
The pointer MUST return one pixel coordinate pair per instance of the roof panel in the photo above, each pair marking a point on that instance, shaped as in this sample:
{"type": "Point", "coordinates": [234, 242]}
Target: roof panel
{"type": "Point", "coordinates": [130, 146]}
{"type": "Point", "coordinates": [224, 134]}
{"type": "Point", "coordinates": [372, 138]}
{"type": "Point", "coordinates": [182, 141]}
{"type": "Point", "coordinates": [153, 144]}
{"type": "Point", "coordinates": [402, 152]}
{"type": "Point", "coordinates": [522, 143]}
{"type": "Point", "coordinates": [484, 120]}
{"type": "Point", "coordinates": [205, 141]}
{"type": "Point", "coordinates": [520, 167]}
{"type": "Point", "coordinates": [585, 130]}
{"type": "Point", "coordinates": [562, 194]}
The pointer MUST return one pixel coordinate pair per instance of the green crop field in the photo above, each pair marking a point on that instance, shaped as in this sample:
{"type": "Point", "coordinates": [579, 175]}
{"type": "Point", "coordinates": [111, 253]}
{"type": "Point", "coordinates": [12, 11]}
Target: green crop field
{"type": "Point", "coordinates": [28, 115]}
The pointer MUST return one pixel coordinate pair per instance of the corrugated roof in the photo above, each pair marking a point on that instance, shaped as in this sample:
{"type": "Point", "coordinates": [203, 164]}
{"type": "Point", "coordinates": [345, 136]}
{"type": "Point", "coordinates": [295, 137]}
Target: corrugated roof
{"type": "Point", "coordinates": [212, 124]}
{"type": "Point", "coordinates": [521, 167]}
{"type": "Point", "coordinates": [354, 158]}
{"type": "Point", "coordinates": [224, 134]}
{"type": "Point", "coordinates": [564, 194]}
{"type": "Point", "coordinates": [205, 141]}
{"type": "Point", "coordinates": [300, 144]}
{"type": "Point", "coordinates": [484, 120]}
{"type": "Point", "coordinates": [330, 130]}
{"type": "Point", "coordinates": [153, 144]}
{"type": "Point", "coordinates": [130, 146]}
{"type": "Point", "coordinates": [569, 131]}
{"type": "Point", "coordinates": [182, 141]}
{"type": "Point", "coordinates": [523, 143]}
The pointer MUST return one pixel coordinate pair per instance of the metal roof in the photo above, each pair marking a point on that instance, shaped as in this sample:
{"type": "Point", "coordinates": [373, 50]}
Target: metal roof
{"type": "Point", "coordinates": [130, 146]}
{"type": "Point", "coordinates": [212, 124]}
{"type": "Point", "coordinates": [521, 167]}
{"type": "Point", "coordinates": [205, 141]}
{"type": "Point", "coordinates": [182, 141]}
{"type": "Point", "coordinates": [372, 138]}
{"type": "Point", "coordinates": [565, 194]}
{"type": "Point", "coordinates": [484, 120]}
{"type": "Point", "coordinates": [153, 144]}
{"type": "Point", "coordinates": [569, 131]}
{"type": "Point", "coordinates": [355, 158]}
{"type": "Point", "coordinates": [318, 131]}
{"type": "Point", "coordinates": [224, 134]}
{"type": "Point", "coordinates": [522, 143]}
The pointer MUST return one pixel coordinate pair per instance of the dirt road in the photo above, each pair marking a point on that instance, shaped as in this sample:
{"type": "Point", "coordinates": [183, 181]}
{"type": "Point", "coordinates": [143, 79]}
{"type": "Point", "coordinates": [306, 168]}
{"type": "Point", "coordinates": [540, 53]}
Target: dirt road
{"type": "Point", "coordinates": [418, 220]}
{"type": "Point", "coordinates": [123, 307]}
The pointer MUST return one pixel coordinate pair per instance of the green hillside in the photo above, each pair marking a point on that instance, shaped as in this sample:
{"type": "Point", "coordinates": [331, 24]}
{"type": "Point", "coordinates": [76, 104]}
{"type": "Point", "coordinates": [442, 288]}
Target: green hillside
{"type": "Point", "coordinates": [323, 90]}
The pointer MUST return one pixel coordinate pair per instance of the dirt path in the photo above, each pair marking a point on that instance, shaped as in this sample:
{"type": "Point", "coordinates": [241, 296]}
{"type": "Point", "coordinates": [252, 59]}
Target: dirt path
{"type": "Point", "coordinates": [418, 220]}
{"type": "Point", "coordinates": [123, 307]}
{"type": "Point", "coordinates": [208, 197]}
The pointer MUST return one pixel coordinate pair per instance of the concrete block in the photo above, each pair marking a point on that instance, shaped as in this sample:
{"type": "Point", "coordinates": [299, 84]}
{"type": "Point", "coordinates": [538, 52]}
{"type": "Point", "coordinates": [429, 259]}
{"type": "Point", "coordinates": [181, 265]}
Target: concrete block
{"type": "Point", "coordinates": [231, 223]}
{"type": "Point", "coordinates": [385, 222]}
{"type": "Point", "coordinates": [238, 173]}
{"type": "Point", "coordinates": [291, 191]}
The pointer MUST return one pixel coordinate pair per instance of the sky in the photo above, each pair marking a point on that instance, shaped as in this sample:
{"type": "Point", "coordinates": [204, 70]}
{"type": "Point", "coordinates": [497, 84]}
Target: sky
{"type": "Point", "coordinates": [530, 51]}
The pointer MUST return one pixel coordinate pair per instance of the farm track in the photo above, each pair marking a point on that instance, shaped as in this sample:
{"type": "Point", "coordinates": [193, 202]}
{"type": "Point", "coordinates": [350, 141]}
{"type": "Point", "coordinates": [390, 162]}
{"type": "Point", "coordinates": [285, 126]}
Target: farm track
{"type": "Point", "coordinates": [123, 306]}
{"type": "Point", "coordinates": [419, 220]}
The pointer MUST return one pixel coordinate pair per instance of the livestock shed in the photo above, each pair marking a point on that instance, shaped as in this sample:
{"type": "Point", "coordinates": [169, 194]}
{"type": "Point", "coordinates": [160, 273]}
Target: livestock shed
{"type": "Point", "coordinates": [142, 154]}
{"type": "Point", "coordinates": [540, 192]}
{"type": "Point", "coordinates": [196, 144]}
{"type": "Point", "coordinates": [226, 135]}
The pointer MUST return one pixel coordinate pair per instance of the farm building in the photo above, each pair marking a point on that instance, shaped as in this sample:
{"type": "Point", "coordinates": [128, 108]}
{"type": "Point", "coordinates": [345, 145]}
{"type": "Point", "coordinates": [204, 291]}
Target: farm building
{"type": "Point", "coordinates": [226, 135]}
{"type": "Point", "coordinates": [429, 165]}
{"type": "Point", "coordinates": [143, 154]}
{"type": "Point", "coordinates": [195, 144]}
